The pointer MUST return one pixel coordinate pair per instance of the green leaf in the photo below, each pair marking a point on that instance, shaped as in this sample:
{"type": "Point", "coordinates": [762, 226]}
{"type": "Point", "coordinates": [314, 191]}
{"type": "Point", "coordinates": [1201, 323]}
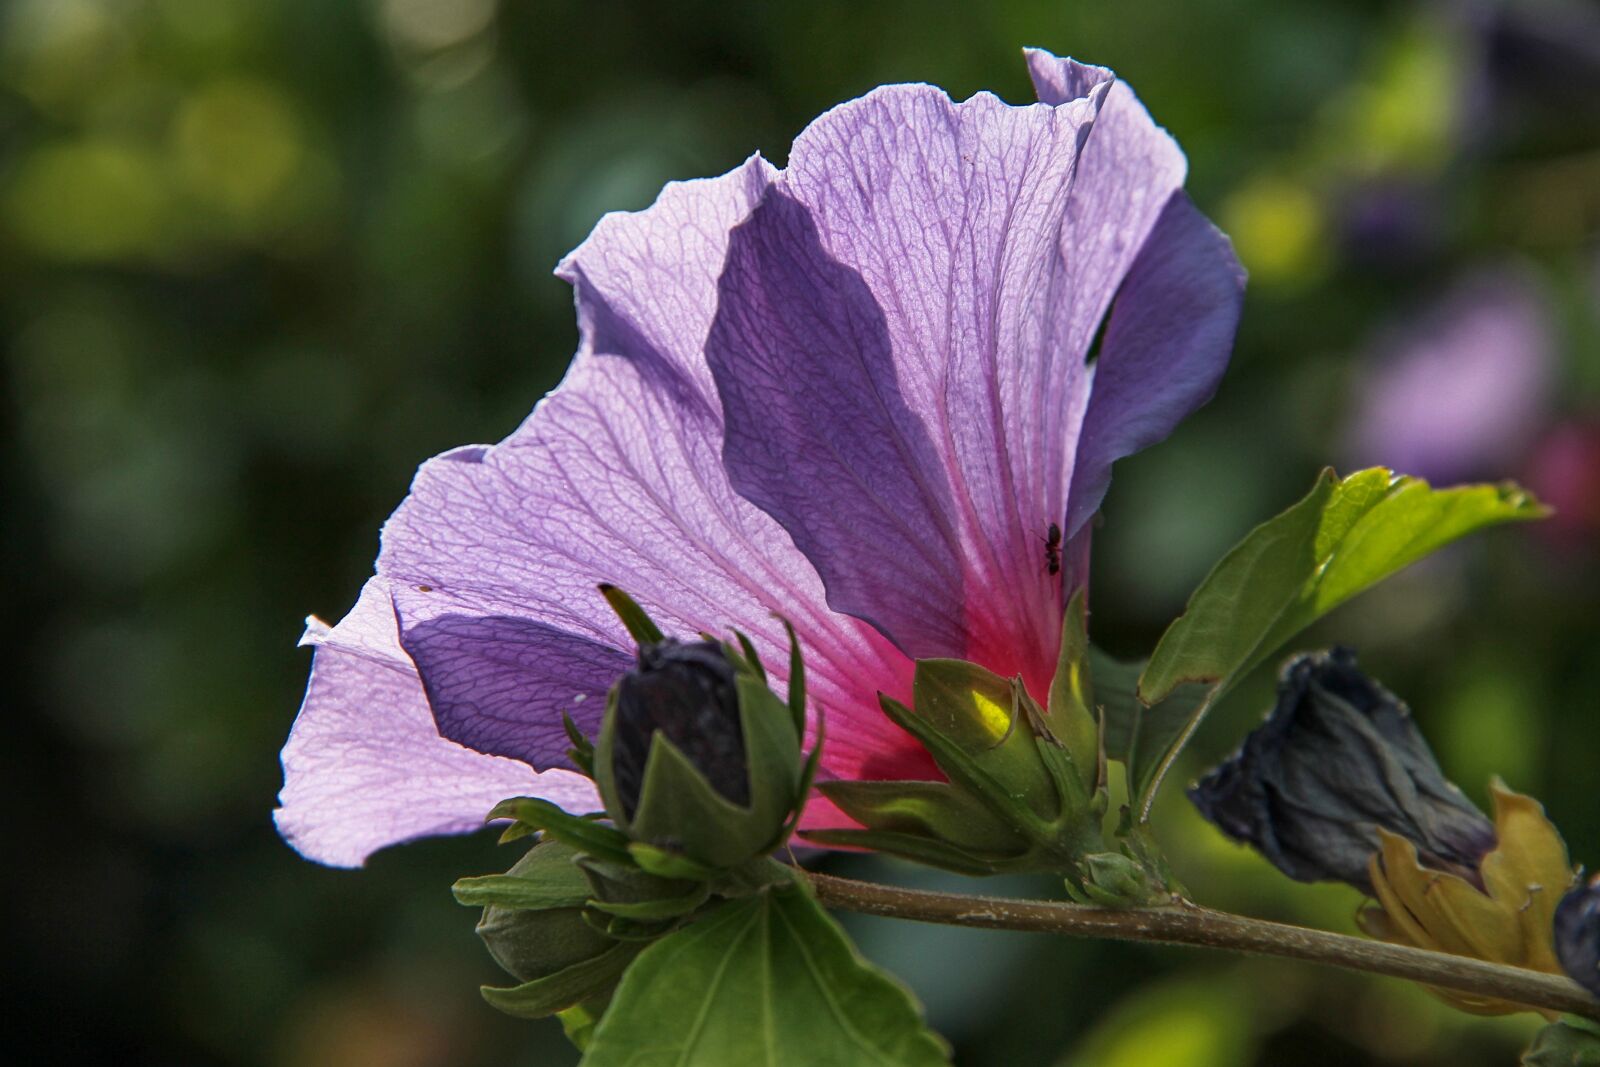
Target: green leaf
{"type": "Point", "coordinates": [1563, 1045]}
{"type": "Point", "coordinates": [1135, 735]}
{"type": "Point", "coordinates": [768, 980]}
{"type": "Point", "coordinates": [1346, 535]}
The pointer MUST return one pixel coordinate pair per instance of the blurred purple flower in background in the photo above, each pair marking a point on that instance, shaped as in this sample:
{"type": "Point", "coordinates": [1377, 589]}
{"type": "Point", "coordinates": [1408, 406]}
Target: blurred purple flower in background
{"type": "Point", "coordinates": [1536, 65]}
{"type": "Point", "coordinates": [1565, 471]}
{"type": "Point", "coordinates": [1460, 392]}
{"type": "Point", "coordinates": [1389, 223]}
{"type": "Point", "coordinates": [858, 392]}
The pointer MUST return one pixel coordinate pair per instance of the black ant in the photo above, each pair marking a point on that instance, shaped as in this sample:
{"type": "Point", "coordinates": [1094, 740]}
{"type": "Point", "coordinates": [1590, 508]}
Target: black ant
{"type": "Point", "coordinates": [1052, 549]}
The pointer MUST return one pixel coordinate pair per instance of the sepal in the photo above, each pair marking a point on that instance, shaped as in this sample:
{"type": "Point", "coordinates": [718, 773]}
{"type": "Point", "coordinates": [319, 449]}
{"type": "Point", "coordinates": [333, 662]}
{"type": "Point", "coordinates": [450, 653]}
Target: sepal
{"type": "Point", "coordinates": [1508, 920]}
{"type": "Point", "coordinates": [640, 626]}
{"type": "Point", "coordinates": [1025, 789]}
{"type": "Point", "coordinates": [1070, 718]}
{"type": "Point", "coordinates": [930, 809]}
{"type": "Point", "coordinates": [566, 924]}
{"type": "Point", "coordinates": [565, 988]}
{"type": "Point", "coordinates": [630, 893]}
{"type": "Point", "coordinates": [532, 814]}
{"type": "Point", "coordinates": [932, 822]}
{"type": "Point", "coordinates": [1113, 880]}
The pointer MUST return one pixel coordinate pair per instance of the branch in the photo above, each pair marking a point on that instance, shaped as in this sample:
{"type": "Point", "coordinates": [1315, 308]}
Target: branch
{"type": "Point", "coordinates": [1189, 924]}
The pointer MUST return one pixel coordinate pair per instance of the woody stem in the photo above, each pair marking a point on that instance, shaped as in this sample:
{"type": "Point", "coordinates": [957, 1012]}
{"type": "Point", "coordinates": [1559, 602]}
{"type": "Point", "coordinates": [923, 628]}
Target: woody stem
{"type": "Point", "coordinates": [1183, 923]}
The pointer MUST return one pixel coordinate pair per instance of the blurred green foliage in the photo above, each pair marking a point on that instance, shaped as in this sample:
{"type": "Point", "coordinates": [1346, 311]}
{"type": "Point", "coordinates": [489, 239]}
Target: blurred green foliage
{"type": "Point", "coordinates": [260, 257]}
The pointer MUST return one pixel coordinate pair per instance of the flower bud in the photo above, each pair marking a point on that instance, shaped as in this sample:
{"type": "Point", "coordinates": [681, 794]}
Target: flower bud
{"type": "Point", "coordinates": [1577, 935]}
{"type": "Point", "coordinates": [698, 760]}
{"type": "Point", "coordinates": [1016, 798]}
{"type": "Point", "coordinates": [1114, 880]}
{"type": "Point", "coordinates": [532, 943]}
{"type": "Point", "coordinates": [686, 692]}
{"type": "Point", "coordinates": [1338, 759]}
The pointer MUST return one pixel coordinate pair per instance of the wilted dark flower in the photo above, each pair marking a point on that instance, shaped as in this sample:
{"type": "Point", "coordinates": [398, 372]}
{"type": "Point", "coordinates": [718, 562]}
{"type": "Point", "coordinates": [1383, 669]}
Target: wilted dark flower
{"type": "Point", "coordinates": [1338, 784]}
{"type": "Point", "coordinates": [1577, 933]}
{"type": "Point", "coordinates": [686, 692]}
{"type": "Point", "coordinates": [1338, 759]}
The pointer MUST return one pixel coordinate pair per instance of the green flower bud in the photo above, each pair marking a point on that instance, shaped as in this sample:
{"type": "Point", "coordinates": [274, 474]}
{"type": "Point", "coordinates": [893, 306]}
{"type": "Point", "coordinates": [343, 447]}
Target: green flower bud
{"type": "Point", "coordinates": [1024, 788]}
{"type": "Point", "coordinates": [534, 943]}
{"type": "Point", "coordinates": [697, 758]}
{"type": "Point", "coordinates": [1115, 880]}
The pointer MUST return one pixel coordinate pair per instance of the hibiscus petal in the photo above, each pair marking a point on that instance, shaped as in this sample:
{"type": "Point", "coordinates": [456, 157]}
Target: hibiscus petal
{"type": "Point", "coordinates": [482, 674]}
{"type": "Point", "coordinates": [802, 357]}
{"type": "Point", "coordinates": [646, 281]}
{"type": "Point", "coordinates": [365, 767]}
{"type": "Point", "coordinates": [1166, 346]}
{"type": "Point", "coordinates": [955, 324]}
{"type": "Point", "coordinates": [1128, 170]}
{"type": "Point", "coordinates": [1130, 233]}
{"type": "Point", "coordinates": [617, 476]}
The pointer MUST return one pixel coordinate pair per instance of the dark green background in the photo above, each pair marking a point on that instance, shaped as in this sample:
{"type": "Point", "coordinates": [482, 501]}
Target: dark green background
{"type": "Point", "coordinates": [258, 259]}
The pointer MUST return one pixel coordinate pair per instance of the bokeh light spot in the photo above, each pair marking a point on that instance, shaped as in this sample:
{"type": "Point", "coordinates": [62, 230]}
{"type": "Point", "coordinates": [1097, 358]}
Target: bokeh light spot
{"type": "Point", "coordinates": [1277, 227]}
{"type": "Point", "coordinates": [88, 200]}
{"type": "Point", "coordinates": [237, 144]}
{"type": "Point", "coordinates": [53, 50]}
{"type": "Point", "coordinates": [429, 25]}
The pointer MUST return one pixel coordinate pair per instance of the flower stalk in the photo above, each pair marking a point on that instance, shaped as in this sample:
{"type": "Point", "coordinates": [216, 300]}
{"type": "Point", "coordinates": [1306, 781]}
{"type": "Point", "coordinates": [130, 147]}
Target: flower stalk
{"type": "Point", "coordinates": [1184, 923]}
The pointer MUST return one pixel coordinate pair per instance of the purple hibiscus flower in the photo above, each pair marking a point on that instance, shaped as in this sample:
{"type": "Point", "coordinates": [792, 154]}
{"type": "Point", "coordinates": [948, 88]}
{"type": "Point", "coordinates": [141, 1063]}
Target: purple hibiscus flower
{"type": "Point", "coordinates": [859, 391]}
